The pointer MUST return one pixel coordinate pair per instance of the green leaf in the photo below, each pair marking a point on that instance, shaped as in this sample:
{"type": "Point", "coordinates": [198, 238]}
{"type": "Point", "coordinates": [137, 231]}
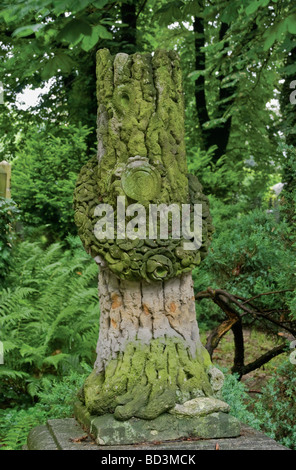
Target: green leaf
{"type": "Point", "coordinates": [196, 74]}
{"type": "Point", "coordinates": [255, 5]}
{"type": "Point", "coordinates": [60, 7]}
{"type": "Point", "coordinates": [98, 31]}
{"type": "Point", "coordinates": [55, 360]}
{"type": "Point", "coordinates": [73, 30]}
{"type": "Point", "coordinates": [79, 5]}
{"type": "Point", "coordinates": [291, 23]}
{"type": "Point", "coordinates": [100, 3]}
{"type": "Point", "coordinates": [89, 42]}
{"type": "Point", "coordinates": [27, 30]}
{"type": "Point", "coordinates": [61, 62]}
{"type": "Point", "coordinates": [271, 36]}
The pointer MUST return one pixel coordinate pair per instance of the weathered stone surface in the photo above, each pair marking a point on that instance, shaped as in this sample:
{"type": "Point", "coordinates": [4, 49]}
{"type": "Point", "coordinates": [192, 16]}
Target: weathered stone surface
{"type": "Point", "coordinates": [166, 427]}
{"type": "Point", "coordinates": [141, 158]}
{"type": "Point", "coordinates": [66, 434]}
{"type": "Point", "coordinates": [40, 438]}
{"type": "Point", "coordinates": [149, 353]}
{"type": "Point", "coordinates": [5, 176]}
{"type": "Point", "coordinates": [200, 406]}
{"type": "Point", "coordinates": [139, 311]}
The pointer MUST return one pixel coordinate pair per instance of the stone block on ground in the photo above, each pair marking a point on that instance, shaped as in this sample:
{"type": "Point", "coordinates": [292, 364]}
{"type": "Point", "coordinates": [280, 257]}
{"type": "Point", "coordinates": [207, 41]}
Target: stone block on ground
{"type": "Point", "coordinates": [67, 434]}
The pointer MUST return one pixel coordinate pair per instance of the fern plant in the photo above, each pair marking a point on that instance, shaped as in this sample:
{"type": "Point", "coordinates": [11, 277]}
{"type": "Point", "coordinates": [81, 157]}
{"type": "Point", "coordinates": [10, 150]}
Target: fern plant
{"type": "Point", "coordinates": [49, 316]}
{"type": "Point", "coordinates": [54, 401]}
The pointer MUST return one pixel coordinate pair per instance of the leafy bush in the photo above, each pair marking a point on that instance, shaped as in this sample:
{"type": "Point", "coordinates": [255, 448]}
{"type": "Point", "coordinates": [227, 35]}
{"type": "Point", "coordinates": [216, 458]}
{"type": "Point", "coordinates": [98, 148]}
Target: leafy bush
{"type": "Point", "coordinates": [251, 253]}
{"type": "Point", "coordinates": [49, 316]}
{"type": "Point", "coordinates": [9, 215]}
{"type": "Point", "coordinates": [234, 392]}
{"type": "Point", "coordinates": [44, 174]}
{"type": "Point", "coordinates": [275, 409]}
{"type": "Point", "coordinates": [273, 412]}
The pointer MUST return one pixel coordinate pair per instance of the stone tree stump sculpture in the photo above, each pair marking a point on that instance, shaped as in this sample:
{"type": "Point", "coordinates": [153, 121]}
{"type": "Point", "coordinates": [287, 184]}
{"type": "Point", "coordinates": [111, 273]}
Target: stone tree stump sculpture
{"type": "Point", "coordinates": [150, 360]}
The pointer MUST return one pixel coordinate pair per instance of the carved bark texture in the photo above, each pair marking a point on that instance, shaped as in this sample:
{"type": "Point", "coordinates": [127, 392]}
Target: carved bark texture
{"type": "Point", "coordinates": [149, 354]}
{"type": "Point", "coordinates": [141, 157]}
{"type": "Point", "coordinates": [141, 311]}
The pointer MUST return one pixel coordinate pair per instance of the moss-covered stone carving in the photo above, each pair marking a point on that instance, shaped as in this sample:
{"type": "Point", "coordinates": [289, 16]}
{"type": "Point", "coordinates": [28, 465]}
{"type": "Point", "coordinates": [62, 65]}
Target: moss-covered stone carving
{"type": "Point", "coordinates": [149, 354]}
{"type": "Point", "coordinates": [141, 157]}
{"type": "Point", "coordinates": [145, 381]}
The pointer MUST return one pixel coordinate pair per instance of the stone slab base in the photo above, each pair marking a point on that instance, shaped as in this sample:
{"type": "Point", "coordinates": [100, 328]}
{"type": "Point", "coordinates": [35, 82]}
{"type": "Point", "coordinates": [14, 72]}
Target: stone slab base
{"type": "Point", "coordinates": [107, 431]}
{"type": "Point", "coordinates": [67, 434]}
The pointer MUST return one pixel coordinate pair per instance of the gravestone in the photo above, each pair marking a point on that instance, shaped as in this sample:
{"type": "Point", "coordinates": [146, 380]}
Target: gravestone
{"type": "Point", "coordinates": [152, 376]}
{"type": "Point", "coordinates": [5, 175]}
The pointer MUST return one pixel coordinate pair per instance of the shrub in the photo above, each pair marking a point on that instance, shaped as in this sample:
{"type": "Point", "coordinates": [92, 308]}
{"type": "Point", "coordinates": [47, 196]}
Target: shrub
{"type": "Point", "coordinates": [44, 174]}
{"type": "Point", "coordinates": [251, 253]}
{"type": "Point", "coordinates": [275, 409]}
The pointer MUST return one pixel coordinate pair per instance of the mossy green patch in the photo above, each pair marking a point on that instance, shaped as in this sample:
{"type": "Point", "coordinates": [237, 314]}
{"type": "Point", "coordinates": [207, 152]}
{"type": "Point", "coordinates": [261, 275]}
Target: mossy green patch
{"type": "Point", "coordinates": [147, 380]}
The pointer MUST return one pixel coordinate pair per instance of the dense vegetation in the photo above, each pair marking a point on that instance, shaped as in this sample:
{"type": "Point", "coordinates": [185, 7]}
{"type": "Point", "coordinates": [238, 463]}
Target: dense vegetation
{"type": "Point", "coordinates": [238, 62]}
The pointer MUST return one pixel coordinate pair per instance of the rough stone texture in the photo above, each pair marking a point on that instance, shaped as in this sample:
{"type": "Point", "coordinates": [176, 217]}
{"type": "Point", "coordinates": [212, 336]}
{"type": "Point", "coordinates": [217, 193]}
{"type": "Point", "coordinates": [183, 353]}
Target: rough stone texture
{"type": "Point", "coordinates": [40, 438]}
{"type": "Point", "coordinates": [149, 354]}
{"type": "Point", "coordinates": [67, 434]}
{"type": "Point", "coordinates": [140, 311]}
{"type": "Point", "coordinates": [109, 431]}
{"type": "Point", "coordinates": [147, 380]}
{"type": "Point", "coordinates": [200, 406]}
{"type": "Point", "coordinates": [141, 158]}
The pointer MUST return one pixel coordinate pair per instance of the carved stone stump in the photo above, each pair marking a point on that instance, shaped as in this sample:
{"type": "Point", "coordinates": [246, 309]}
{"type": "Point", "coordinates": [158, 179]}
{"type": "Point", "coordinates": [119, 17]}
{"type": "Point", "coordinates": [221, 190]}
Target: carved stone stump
{"type": "Point", "coordinates": [150, 359]}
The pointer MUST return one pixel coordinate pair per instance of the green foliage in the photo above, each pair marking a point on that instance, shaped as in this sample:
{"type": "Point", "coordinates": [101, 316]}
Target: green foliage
{"type": "Point", "coordinates": [235, 394]}
{"type": "Point", "coordinates": [9, 215]}
{"type": "Point", "coordinates": [272, 412]}
{"type": "Point", "coordinates": [55, 400]}
{"type": "Point", "coordinates": [44, 175]}
{"type": "Point", "coordinates": [275, 410]}
{"type": "Point", "coordinates": [251, 253]}
{"type": "Point", "coordinates": [49, 315]}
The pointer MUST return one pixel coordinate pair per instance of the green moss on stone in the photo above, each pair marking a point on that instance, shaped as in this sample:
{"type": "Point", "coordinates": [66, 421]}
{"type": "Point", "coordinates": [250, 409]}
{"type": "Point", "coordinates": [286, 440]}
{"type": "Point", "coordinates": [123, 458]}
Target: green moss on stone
{"type": "Point", "coordinates": [141, 156]}
{"type": "Point", "coordinates": [147, 380]}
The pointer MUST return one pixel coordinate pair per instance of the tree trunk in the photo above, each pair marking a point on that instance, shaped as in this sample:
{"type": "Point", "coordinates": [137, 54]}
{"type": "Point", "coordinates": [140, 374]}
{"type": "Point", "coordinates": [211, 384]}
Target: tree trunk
{"type": "Point", "coordinates": [149, 353]}
{"type": "Point", "coordinates": [217, 136]}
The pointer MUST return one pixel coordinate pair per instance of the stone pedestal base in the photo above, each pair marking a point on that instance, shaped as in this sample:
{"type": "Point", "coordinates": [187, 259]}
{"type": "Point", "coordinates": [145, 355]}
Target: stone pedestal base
{"type": "Point", "coordinates": [67, 434]}
{"type": "Point", "coordinates": [108, 431]}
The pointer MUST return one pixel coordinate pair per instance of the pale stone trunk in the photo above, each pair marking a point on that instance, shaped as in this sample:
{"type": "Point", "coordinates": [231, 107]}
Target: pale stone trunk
{"type": "Point", "coordinates": [141, 311]}
{"type": "Point", "coordinates": [149, 353]}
